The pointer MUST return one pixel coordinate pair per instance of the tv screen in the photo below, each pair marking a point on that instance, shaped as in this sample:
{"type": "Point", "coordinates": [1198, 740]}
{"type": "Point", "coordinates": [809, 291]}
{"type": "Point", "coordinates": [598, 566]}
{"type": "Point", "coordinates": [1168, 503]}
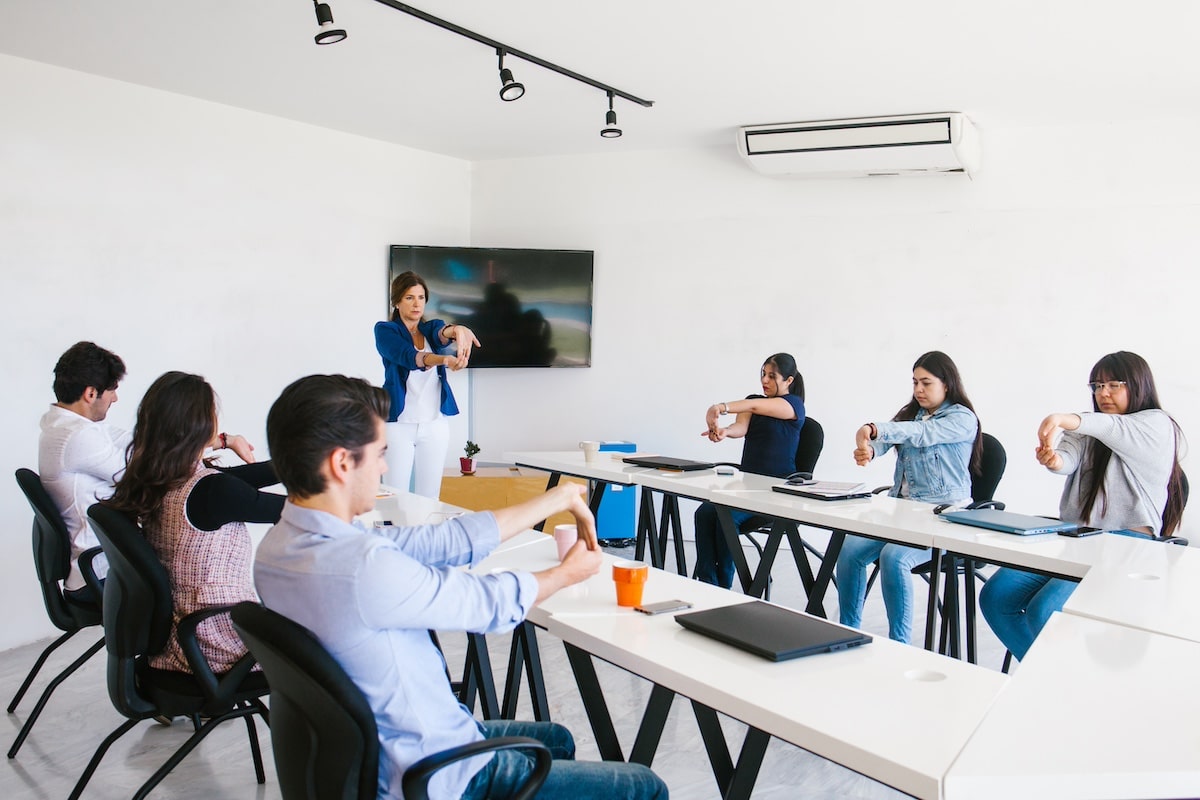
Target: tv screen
{"type": "Point", "coordinates": [529, 308]}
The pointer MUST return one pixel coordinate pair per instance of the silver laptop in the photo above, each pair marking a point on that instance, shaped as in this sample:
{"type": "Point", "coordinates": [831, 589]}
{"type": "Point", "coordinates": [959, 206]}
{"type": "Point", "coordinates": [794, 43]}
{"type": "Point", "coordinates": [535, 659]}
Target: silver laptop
{"type": "Point", "coordinates": [1007, 522]}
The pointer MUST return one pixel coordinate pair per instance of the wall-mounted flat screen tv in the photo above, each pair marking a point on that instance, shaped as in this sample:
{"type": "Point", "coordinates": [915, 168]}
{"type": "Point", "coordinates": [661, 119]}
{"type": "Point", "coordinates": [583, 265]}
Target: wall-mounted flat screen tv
{"type": "Point", "coordinates": [529, 308]}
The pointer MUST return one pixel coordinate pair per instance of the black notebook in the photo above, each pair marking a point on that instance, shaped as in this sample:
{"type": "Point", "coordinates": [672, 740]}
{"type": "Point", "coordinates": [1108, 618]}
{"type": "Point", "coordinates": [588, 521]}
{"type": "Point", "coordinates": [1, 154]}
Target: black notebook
{"type": "Point", "coordinates": [666, 462]}
{"type": "Point", "coordinates": [771, 631]}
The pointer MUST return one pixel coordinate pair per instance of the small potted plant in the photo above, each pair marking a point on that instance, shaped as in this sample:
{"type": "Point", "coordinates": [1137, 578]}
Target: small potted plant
{"type": "Point", "coordinates": [467, 465]}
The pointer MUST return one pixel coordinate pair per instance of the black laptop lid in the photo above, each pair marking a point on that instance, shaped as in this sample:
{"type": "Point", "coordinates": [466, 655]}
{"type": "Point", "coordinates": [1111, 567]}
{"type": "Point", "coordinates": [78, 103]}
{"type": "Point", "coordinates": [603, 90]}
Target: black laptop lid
{"type": "Point", "coordinates": [666, 462]}
{"type": "Point", "coordinates": [771, 631]}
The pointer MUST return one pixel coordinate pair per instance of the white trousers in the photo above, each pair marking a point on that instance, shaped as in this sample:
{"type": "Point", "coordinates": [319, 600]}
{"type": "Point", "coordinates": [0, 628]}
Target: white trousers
{"type": "Point", "coordinates": [416, 455]}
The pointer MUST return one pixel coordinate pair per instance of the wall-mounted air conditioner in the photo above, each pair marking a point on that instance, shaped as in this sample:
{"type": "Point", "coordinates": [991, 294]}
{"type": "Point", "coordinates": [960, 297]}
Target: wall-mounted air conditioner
{"type": "Point", "coordinates": [915, 144]}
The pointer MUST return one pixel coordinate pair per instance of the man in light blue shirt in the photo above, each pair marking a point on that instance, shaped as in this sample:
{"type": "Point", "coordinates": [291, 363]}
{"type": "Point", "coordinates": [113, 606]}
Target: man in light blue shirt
{"type": "Point", "coordinates": [371, 597]}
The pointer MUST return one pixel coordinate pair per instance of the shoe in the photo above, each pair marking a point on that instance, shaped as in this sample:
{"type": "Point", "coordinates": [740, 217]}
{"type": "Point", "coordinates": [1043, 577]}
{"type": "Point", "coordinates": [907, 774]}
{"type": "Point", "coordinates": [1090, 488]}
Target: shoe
{"type": "Point", "coordinates": [163, 719]}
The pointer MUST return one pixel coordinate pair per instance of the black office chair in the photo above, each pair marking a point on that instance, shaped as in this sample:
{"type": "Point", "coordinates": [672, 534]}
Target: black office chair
{"type": "Point", "coordinates": [323, 731]}
{"type": "Point", "coordinates": [808, 451]}
{"type": "Point", "coordinates": [52, 562]}
{"type": "Point", "coordinates": [983, 489]}
{"type": "Point", "coordinates": [138, 610]}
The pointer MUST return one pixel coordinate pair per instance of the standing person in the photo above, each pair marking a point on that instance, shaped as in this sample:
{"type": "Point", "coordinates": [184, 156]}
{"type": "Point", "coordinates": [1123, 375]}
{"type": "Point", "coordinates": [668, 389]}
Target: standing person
{"type": "Point", "coordinates": [410, 345]}
{"type": "Point", "coordinates": [80, 456]}
{"type": "Point", "coordinates": [770, 422]}
{"type": "Point", "coordinates": [194, 515]}
{"type": "Point", "coordinates": [939, 444]}
{"type": "Point", "coordinates": [1121, 462]}
{"type": "Point", "coordinates": [371, 596]}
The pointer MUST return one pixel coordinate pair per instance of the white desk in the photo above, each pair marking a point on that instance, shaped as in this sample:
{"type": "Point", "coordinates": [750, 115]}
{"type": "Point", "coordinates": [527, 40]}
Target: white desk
{"type": "Point", "coordinates": [858, 707]}
{"type": "Point", "coordinates": [1096, 710]}
{"type": "Point", "coordinates": [1142, 584]}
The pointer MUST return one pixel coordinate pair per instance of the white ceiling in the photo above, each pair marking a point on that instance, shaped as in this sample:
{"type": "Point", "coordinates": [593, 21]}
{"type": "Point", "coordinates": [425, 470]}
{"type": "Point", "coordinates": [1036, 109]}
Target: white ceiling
{"type": "Point", "coordinates": [709, 66]}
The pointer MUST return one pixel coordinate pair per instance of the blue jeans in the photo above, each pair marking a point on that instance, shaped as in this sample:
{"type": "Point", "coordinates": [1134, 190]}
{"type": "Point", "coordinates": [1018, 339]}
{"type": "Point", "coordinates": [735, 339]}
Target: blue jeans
{"type": "Point", "coordinates": [895, 575]}
{"type": "Point", "coordinates": [568, 778]}
{"type": "Point", "coordinates": [714, 562]}
{"type": "Point", "coordinates": [1017, 604]}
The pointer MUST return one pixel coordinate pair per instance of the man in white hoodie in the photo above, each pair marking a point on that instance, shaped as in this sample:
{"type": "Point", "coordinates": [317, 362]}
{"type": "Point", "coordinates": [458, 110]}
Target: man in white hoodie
{"type": "Point", "coordinates": [79, 455]}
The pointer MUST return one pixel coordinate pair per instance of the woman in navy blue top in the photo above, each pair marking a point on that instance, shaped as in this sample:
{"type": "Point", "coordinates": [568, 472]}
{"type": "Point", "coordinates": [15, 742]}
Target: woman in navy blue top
{"type": "Point", "coordinates": [770, 423]}
{"type": "Point", "coordinates": [416, 354]}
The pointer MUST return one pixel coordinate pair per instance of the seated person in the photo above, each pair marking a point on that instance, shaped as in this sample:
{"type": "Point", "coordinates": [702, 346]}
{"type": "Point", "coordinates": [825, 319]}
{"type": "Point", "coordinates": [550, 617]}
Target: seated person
{"type": "Point", "coordinates": [939, 445]}
{"type": "Point", "coordinates": [371, 597]}
{"type": "Point", "coordinates": [771, 424]}
{"type": "Point", "coordinates": [194, 515]}
{"type": "Point", "coordinates": [1121, 462]}
{"type": "Point", "coordinates": [79, 454]}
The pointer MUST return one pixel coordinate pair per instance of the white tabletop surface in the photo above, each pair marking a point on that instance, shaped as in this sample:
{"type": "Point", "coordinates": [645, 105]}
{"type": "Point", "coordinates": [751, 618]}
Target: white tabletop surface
{"type": "Point", "coordinates": [1143, 584]}
{"type": "Point", "coordinates": [858, 708]}
{"type": "Point", "coordinates": [606, 466]}
{"type": "Point", "coordinates": [1096, 710]}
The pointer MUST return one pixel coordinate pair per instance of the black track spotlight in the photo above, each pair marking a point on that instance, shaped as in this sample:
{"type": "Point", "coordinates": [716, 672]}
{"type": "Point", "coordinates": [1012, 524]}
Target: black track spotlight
{"type": "Point", "coordinates": [610, 129]}
{"type": "Point", "coordinates": [509, 88]}
{"type": "Point", "coordinates": [328, 34]}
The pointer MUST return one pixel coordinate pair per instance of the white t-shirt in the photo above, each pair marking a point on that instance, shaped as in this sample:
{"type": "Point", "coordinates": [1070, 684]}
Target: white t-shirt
{"type": "Point", "coordinates": [79, 461]}
{"type": "Point", "coordinates": [422, 394]}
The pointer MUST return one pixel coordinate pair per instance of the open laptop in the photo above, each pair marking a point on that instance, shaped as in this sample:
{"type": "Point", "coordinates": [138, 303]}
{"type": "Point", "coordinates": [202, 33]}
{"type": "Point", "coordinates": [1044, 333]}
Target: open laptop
{"type": "Point", "coordinates": [666, 462]}
{"type": "Point", "coordinates": [824, 490]}
{"type": "Point", "coordinates": [1007, 522]}
{"type": "Point", "coordinates": [770, 631]}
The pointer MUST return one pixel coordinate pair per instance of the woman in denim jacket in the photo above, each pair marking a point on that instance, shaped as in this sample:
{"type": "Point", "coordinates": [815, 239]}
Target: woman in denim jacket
{"type": "Point", "coordinates": [938, 445]}
{"type": "Point", "coordinates": [1121, 463]}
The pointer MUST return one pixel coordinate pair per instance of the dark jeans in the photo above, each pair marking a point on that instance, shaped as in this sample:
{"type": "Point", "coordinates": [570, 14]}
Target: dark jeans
{"type": "Point", "coordinates": [568, 778]}
{"type": "Point", "coordinates": [714, 562]}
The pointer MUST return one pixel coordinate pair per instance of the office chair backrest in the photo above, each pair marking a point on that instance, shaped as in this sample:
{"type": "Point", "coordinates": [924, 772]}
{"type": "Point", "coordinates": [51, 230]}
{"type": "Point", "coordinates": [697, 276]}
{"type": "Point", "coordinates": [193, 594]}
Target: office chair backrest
{"type": "Point", "coordinates": [322, 729]}
{"type": "Point", "coordinates": [137, 605]}
{"type": "Point", "coordinates": [983, 486]}
{"type": "Point", "coordinates": [51, 549]}
{"type": "Point", "coordinates": [808, 450]}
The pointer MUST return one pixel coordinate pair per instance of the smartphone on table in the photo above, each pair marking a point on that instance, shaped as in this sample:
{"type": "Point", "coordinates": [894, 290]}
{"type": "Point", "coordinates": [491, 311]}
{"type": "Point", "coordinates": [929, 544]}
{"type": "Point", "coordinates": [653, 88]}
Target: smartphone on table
{"type": "Point", "coordinates": [1081, 531]}
{"type": "Point", "coordinates": [663, 607]}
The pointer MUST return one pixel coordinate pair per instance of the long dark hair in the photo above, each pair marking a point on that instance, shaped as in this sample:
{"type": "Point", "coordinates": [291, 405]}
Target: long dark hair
{"type": "Point", "coordinates": [1139, 385]}
{"type": "Point", "coordinates": [401, 284]}
{"type": "Point", "coordinates": [785, 365]}
{"type": "Point", "coordinates": [175, 421]}
{"type": "Point", "coordinates": [942, 367]}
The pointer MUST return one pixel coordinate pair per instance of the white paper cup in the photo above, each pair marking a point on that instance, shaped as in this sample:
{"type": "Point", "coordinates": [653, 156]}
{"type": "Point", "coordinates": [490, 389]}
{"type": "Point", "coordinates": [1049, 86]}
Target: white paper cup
{"type": "Point", "coordinates": [565, 537]}
{"type": "Point", "coordinates": [591, 451]}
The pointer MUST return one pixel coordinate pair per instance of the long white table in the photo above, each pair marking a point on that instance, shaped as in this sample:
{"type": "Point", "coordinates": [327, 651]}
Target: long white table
{"type": "Point", "coordinates": [1097, 710]}
{"type": "Point", "coordinates": [857, 707]}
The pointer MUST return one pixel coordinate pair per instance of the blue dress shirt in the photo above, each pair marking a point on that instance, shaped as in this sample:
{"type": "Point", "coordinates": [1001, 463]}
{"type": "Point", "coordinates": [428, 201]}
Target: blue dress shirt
{"type": "Point", "coordinates": [371, 597]}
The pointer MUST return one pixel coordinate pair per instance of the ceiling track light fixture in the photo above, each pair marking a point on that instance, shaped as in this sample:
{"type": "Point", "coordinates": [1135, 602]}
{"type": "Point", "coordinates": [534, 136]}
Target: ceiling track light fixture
{"type": "Point", "coordinates": [327, 33]}
{"type": "Point", "coordinates": [610, 129]}
{"type": "Point", "coordinates": [510, 89]}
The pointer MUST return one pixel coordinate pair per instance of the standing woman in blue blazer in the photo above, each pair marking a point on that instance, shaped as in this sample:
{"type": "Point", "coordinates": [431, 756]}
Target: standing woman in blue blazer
{"type": "Point", "coordinates": [416, 354]}
{"type": "Point", "coordinates": [938, 445]}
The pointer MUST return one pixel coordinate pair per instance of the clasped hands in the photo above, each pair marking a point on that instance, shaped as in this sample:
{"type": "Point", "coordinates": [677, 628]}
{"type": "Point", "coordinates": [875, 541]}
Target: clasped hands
{"type": "Point", "coordinates": [1048, 433]}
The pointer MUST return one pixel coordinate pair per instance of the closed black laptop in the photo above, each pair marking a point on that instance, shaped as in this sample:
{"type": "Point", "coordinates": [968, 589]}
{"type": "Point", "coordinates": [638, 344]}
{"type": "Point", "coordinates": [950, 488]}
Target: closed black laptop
{"type": "Point", "coordinates": [771, 631]}
{"type": "Point", "coordinates": [666, 462]}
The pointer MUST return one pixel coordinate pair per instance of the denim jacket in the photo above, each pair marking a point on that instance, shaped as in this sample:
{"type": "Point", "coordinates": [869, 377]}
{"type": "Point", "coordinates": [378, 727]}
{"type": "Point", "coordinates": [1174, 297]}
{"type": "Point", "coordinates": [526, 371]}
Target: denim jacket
{"type": "Point", "coordinates": [933, 453]}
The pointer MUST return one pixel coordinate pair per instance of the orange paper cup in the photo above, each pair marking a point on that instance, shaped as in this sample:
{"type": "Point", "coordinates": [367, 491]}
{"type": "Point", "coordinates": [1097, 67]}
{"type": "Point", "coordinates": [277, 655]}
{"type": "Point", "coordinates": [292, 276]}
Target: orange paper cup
{"type": "Point", "coordinates": [630, 577]}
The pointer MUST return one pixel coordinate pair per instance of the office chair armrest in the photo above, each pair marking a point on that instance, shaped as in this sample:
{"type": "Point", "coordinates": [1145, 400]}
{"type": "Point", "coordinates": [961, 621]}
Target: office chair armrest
{"type": "Point", "coordinates": [213, 688]}
{"type": "Point", "coordinates": [879, 489]}
{"type": "Point", "coordinates": [415, 781]}
{"type": "Point", "coordinates": [1179, 540]}
{"type": "Point", "coordinates": [996, 504]}
{"type": "Point", "coordinates": [89, 571]}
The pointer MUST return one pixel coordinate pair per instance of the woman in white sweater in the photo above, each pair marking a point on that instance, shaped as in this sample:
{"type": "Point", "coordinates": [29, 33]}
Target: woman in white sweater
{"type": "Point", "coordinates": [1122, 467]}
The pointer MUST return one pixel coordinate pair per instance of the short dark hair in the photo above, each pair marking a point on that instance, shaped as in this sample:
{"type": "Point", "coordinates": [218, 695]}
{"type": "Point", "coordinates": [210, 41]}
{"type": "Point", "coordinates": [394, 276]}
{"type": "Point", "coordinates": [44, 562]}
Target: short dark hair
{"type": "Point", "coordinates": [86, 364]}
{"type": "Point", "coordinates": [316, 415]}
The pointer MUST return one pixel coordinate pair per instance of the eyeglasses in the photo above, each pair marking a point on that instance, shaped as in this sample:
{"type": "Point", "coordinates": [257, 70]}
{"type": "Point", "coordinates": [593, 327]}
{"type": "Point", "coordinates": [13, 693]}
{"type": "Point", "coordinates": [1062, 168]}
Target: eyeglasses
{"type": "Point", "coordinates": [1112, 386]}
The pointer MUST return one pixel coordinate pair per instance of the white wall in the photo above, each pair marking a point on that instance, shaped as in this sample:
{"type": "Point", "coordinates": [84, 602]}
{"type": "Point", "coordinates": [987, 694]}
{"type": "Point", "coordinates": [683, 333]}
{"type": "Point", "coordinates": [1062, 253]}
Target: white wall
{"type": "Point", "coordinates": [187, 235]}
{"type": "Point", "coordinates": [1070, 244]}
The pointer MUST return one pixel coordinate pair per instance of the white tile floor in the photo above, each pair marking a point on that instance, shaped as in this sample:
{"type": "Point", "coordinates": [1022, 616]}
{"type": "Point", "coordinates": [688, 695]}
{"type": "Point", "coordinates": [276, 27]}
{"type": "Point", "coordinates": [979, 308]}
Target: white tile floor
{"type": "Point", "coordinates": [80, 715]}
